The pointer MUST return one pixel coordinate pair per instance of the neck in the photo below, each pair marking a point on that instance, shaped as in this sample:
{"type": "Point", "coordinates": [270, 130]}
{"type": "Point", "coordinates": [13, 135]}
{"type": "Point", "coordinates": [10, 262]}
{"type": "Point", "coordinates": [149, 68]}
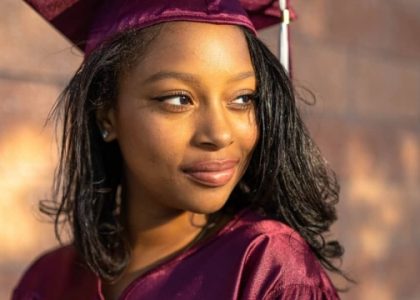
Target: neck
{"type": "Point", "coordinates": [149, 230]}
{"type": "Point", "coordinates": [156, 233]}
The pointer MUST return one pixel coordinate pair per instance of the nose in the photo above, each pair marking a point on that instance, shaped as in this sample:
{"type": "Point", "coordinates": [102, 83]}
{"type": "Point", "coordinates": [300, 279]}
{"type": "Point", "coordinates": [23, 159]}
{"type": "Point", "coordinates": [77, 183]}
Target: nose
{"type": "Point", "coordinates": [213, 128]}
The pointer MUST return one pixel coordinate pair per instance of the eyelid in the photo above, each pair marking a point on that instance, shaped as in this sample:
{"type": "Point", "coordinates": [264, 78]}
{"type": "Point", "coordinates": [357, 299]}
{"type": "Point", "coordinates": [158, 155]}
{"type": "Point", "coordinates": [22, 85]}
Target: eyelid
{"type": "Point", "coordinates": [244, 92]}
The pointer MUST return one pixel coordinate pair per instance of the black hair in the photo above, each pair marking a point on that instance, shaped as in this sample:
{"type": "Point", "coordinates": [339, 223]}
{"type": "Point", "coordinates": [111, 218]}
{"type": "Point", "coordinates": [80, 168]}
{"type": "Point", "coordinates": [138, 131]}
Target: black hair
{"type": "Point", "coordinates": [287, 178]}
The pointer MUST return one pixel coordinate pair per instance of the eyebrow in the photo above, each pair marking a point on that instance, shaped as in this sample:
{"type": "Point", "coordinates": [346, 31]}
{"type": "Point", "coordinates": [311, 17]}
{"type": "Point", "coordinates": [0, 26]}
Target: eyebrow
{"type": "Point", "coordinates": [242, 76]}
{"type": "Point", "coordinates": [191, 78]}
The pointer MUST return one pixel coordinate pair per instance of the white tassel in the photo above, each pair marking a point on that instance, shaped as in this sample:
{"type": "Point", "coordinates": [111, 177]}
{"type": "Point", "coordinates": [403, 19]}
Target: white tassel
{"type": "Point", "coordinates": [284, 35]}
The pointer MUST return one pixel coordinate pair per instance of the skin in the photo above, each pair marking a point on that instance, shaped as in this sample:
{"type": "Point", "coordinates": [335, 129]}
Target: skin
{"type": "Point", "coordinates": [161, 133]}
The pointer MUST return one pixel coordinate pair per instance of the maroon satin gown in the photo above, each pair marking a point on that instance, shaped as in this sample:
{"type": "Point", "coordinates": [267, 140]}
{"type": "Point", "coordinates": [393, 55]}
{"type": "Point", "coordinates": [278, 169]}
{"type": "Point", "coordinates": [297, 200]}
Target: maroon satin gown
{"type": "Point", "coordinates": [250, 258]}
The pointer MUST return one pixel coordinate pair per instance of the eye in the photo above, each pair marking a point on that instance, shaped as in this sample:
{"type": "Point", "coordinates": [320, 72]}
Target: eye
{"type": "Point", "coordinates": [243, 99]}
{"type": "Point", "coordinates": [177, 100]}
{"type": "Point", "coordinates": [242, 102]}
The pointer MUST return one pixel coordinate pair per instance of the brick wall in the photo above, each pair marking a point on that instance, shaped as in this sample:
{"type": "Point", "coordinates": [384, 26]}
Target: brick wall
{"type": "Point", "coordinates": [35, 62]}
{"type": "Point", "coordinates": [362, 61]}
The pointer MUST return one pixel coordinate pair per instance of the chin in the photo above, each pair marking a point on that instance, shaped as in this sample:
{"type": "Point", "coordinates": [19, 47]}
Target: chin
{"type": "Point", "coordinates": [204, 206]}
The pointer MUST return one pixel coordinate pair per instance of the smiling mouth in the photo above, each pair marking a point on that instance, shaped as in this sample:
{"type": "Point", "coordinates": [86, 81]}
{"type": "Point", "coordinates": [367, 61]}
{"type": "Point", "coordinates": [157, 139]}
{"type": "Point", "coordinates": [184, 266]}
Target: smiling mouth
{"type": "Point", "coordinates": [211, 173]}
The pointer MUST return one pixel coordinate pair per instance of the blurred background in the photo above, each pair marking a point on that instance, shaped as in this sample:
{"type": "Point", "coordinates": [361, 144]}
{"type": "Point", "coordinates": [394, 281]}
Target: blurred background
{"type": "Point", "coordinates": [361, 59]}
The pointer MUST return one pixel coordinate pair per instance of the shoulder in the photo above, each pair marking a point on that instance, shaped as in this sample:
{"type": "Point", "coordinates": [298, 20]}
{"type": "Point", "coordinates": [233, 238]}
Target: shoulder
{"type": "Point", "coordinates": [285, 244]}
{"type": "Point", "coordinates": [281, 260]}
{"type": "Point", "coordinates": [50, 273]}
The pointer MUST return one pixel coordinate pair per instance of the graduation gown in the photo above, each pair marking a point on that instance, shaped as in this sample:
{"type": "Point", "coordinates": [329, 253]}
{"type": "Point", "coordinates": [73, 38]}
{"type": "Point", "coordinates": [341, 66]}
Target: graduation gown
{"type": "Point", "coordinates": [249, 258]}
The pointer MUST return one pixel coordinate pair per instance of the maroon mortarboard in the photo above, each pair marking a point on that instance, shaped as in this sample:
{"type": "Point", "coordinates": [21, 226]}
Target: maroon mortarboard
{"type": "Point", "coordinates": [88, 23]}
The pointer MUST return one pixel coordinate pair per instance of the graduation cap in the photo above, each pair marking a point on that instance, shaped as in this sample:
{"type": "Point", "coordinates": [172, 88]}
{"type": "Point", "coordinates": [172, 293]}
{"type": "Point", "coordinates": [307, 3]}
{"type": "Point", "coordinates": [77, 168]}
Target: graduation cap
{"type": "Point", "coordinates": [88, 23]}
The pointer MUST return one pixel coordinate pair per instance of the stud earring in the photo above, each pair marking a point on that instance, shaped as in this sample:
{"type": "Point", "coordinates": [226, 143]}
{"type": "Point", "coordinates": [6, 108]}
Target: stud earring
{"type": "Point", "coordinates": [105, 134]}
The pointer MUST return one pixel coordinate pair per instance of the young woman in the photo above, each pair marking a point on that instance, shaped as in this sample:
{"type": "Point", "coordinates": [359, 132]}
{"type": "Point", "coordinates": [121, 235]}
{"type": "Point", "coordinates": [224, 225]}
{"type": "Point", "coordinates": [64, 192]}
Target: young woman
{"type": "Point", "coordinates": [186, 171]}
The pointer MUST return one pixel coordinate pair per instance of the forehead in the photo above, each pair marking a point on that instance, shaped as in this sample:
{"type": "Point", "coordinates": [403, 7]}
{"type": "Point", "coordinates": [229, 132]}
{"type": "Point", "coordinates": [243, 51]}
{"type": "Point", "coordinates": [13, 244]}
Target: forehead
{"type": "Point", "coordinates": [188, 44]}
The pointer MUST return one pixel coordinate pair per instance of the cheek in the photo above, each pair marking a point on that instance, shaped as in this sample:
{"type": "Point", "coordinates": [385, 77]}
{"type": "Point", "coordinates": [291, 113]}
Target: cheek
{"type": "Point", "coordinates": [247, 133]}
{"type": "Point", "coordinates": [149, 140]}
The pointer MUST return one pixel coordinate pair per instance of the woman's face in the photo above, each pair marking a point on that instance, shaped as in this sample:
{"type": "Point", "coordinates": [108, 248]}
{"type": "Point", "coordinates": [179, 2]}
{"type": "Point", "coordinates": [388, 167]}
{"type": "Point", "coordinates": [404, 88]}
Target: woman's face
{"type": "Point", "coordinates": [184, 118]}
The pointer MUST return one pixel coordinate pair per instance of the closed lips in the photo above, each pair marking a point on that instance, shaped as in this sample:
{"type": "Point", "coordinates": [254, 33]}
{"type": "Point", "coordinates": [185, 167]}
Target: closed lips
{"type": "Point", "coordinates": [211, 173]}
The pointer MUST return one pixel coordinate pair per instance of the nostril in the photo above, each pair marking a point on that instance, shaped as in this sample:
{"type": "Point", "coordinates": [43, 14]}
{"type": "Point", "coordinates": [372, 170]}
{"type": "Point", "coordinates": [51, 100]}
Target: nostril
{"type": "Point", "coordinates": [214, 146]}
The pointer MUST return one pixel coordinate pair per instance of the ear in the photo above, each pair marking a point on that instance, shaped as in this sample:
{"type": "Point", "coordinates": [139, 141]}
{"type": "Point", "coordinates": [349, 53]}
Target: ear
{"type": "Point", "coordinates": [105, 118]}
